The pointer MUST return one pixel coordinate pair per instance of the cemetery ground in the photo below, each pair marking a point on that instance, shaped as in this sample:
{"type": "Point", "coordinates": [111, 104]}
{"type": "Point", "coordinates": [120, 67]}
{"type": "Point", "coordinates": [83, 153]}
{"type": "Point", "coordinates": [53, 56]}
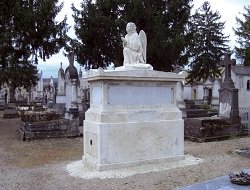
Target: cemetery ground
{"type": "Point", "coordinates": [41, 164]}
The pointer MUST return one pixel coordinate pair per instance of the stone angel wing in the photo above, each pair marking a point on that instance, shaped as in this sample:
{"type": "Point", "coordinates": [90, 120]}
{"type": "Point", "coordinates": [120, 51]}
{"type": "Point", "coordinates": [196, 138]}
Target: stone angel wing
{"type": "Point", "coordinates": [143, 39]}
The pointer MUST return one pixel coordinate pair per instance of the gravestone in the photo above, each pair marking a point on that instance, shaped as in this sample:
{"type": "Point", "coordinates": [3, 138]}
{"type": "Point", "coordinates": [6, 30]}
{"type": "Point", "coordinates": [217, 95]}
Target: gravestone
{"type": "Point", "coordinates": [71, 108]}
{"type": "Point", "coordinates": [228, 95]}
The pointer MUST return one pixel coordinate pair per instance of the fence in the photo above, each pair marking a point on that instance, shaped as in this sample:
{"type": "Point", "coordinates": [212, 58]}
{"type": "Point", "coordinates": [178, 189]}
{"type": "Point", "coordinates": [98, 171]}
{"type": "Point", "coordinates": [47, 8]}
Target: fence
{"type": "Point", "coordinates": [245, 114]}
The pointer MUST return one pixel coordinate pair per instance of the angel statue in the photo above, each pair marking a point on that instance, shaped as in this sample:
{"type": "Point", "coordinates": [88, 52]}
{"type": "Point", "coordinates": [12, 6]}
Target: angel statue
{"type": "Point", "coordinates": [134, 45]}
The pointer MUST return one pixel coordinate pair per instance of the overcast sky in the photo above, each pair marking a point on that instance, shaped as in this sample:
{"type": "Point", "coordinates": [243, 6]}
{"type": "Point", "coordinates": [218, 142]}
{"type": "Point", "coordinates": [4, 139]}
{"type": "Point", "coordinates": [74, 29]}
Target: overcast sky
{"type": "Point", "coordinates": [228, 10]}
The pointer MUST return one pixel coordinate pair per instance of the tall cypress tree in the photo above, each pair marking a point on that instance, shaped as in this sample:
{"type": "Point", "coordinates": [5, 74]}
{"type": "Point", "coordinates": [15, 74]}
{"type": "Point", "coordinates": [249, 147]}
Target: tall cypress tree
{"type": "Point", "coordinates": [208, 43]}
{"type": "Point", "coordinates": [163, 21]}
{"type": "Point", "coordinates": [243, 34]}
{"type": "Point", "coordinates": [97, 36]}
{"type": "Point", "coordinates": [28, 30]}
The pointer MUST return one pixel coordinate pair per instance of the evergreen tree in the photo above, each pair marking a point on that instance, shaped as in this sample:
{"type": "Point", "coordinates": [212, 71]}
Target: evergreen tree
{"type": "Point", "coordinates": [243, 33]}
{"type": "Point", "coordinates": [96, 29]}
{"type": "Point", "coordinates": [247, 57]}
{"type": "Point", "coordinates": [208, 43]}
{"type": "Point", "coordinates": [163, 21]}
{"type": "Point", "coordinates": [28, 30]}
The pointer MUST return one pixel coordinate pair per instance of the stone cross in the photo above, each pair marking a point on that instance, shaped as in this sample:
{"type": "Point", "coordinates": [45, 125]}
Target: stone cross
{"type": "Point", "coordinates": [71, 58]}
{"type": "Point", "coordinates": [227, 62]}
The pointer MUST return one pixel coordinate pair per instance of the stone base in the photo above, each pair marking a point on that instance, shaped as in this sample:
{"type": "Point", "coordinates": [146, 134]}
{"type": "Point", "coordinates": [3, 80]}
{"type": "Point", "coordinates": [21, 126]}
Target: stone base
{"type": "Point", "coordinates": [138, 66]}
{"type": "Point", "coordinates": [133, 118]}
{"type": "Point", "coordinates": [88, 161]}
{"type": "Point", "coordinates": [74, 122]}
{"type": "Point", "coordinates": [122, 144]}
{"type": "Point", "coordinates": [211, 128]}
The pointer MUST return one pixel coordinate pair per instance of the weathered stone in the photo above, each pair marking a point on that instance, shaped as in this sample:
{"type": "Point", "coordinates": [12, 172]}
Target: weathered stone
{"type": "Point", "coordinates": [219, 183]}
{"type": "Point", "coordinates": [210, 128]}
{"type": "Point", "coordinates": [60, 108]}
{"type": "Point", "coordinates": [46, 124]}
{"type": "Point", "coordinates": [38, 116]}
{"type": "Point", "coordinates": [10, 112]}
{"type": "Point", "coordinates": [194, 113]}
{"type": "Point", "coordinates": [244, 152]}
{"type": "Point", "coordinates": [45, 129]}
{"type": "Point", "coordinates": [73, 130]}
{"type": "Point", "coordinates": [228, 94]}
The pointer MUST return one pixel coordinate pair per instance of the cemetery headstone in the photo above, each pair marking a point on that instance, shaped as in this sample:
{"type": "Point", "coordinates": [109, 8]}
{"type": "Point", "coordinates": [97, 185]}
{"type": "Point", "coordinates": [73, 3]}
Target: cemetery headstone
{"type": "Point", "coordinates": [228, 95]}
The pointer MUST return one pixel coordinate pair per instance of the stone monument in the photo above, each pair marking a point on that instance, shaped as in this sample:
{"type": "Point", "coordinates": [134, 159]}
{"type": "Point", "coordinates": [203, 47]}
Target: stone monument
{"type": "Point", "coordinates": [133, 118]}
{"type": "Point", "coordinates": [72, 111]}
{"type": "Point", "coordinates": [228, 94]}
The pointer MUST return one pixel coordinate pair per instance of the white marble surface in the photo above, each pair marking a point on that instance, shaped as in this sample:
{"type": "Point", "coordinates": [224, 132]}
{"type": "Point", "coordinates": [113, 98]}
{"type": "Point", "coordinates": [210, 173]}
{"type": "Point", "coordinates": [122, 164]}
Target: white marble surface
{"type": "Point", "coordinates": [138, 66]}
{"type": "Point", "coordinates": [134, 45]}
{"type": "Point", "coordinates": [139, 95]}
{"type": "Point", "coordinates": [78, 169]}
{"type": "Point", "coordinates": [133, 119]}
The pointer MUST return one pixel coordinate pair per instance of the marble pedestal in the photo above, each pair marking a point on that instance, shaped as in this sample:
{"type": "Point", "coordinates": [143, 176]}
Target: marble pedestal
{"type": "Point", "coordinates": [133, 119]}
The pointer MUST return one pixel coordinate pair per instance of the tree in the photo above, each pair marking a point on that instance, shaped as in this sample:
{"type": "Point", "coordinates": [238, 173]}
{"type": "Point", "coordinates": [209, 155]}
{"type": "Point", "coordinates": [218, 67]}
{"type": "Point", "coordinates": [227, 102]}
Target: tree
{"type": "Point", "coordinates": [247, 57]}
{"type": "Point", "coordinates": [28, 30]}
{"type": "Point", "coordinates": [243, 33]}
{"type": "Point", "coordinates": [96, 30]}
{"type": "Point", "coordinates": [163, 21]}
{"type": "Point", "coordinates": [208, 43]}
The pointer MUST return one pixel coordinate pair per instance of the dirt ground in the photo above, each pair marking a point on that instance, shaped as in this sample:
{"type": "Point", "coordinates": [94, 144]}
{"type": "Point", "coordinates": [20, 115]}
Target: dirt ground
{"type": "Point", "coordinates": [40, 164]}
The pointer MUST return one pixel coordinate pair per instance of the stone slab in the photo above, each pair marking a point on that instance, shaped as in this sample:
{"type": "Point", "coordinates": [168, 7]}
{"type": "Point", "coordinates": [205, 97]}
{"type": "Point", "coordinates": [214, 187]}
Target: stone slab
{"type": "Point", "coordinates": [10, 113]}
{"type": "Point", "coordinates": [45, 129]}
{"type": "Point", "coordinates": [219, 183]}
{"type": "Point", "coordinates": [210, 129]}
{"type": "Point", "coordinates": [78, 169]}
{"type": "Point", "coordinates": [110, 146]}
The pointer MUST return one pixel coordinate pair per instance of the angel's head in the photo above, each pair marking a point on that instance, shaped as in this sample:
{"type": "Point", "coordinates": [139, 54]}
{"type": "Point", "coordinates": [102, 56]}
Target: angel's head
{"type": "Point", "coordinates": [131, 27]}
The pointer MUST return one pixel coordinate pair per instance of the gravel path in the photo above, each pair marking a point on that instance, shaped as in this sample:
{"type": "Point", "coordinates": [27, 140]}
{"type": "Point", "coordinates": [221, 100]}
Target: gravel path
{"type": "Point", "coordinates": [42, 164]}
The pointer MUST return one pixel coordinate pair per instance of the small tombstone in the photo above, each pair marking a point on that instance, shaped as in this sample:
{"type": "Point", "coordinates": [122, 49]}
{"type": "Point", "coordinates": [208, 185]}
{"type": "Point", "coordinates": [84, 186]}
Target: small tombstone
{"type": "Point", "coordinates": [50, 104]}
{"type": "Point", "coordinates": [10, 111]}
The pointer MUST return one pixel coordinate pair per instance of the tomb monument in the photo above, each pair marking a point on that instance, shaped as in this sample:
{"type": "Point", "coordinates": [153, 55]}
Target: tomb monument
{"type": "Point", "coordinates": [133, 118]}
{"type": "Point", "coordinates": [228, 94]}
